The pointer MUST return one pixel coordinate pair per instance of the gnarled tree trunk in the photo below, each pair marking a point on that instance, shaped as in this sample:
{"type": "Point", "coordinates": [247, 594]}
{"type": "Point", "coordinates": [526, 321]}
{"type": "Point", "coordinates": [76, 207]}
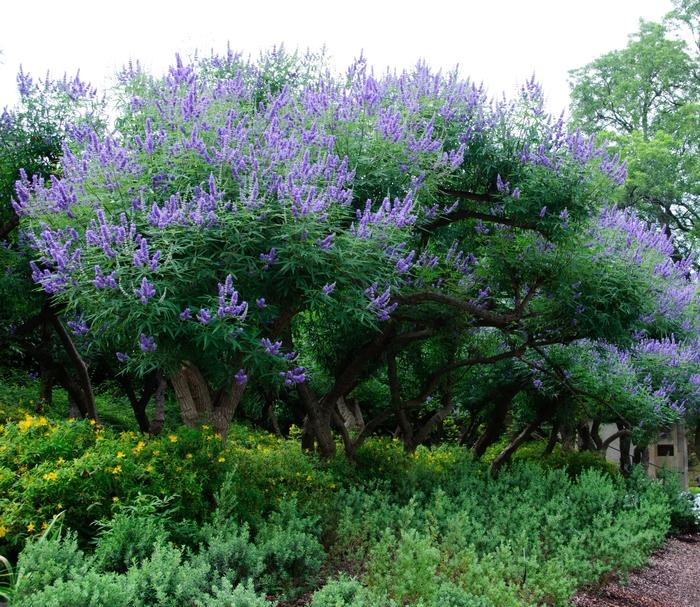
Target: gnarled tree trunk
{"type": "Point", "coordinates": [196, 403]}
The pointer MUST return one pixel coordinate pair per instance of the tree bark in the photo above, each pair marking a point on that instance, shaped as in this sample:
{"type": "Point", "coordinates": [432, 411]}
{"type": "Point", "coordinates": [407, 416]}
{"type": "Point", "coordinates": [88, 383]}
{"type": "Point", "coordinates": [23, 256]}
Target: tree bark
{"type": "Point", "coordinates": [82, 371]}
{"type": "Point", "coordinates": [188, 409]}
{"type": "Point", "coordinates": [158, 420]}
{"type": "Point", "coordinates": [496, 420]}
{"type": "Point", "coordinates": [226, 405]}
{"type": "Point", "coordinates": [505, 455]}
{"type": "Point", "coordinates": [318, 422]}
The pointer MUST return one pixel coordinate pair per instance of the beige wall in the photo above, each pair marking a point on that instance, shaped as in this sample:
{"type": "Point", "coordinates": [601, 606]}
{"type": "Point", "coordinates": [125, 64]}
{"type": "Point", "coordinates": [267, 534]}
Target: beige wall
{"type": "Point", "coordinates": [674, 441]}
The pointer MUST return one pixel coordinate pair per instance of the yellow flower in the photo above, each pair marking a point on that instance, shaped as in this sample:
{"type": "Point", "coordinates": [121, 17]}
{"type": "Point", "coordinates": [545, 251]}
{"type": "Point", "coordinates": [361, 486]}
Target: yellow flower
{"type": "Point", "coordinates": [172, 438]}
{"type": "Point", "coordinates": [222, 459]}
{"type": "Point", "coordinates": [44, 525]}
{"type": "Point", "coordinates": [59, 506]}
{"type": "Point", "coordinates": [308, 477]}
{"type": "Point", "coordinates": [205, 427]}
{"type": "Point", "coordinates": [149, 468]}
{"type": "Point", "coordinates": [116, 470]}
{"type": "Point", "coordinates": [139, 446]}
{"type": "Point", "coordinates": [3, 531]}
{"type": "Point", "coordinates": [50, 476]}
{"type": "Point", "coordinates": [115, 499]}
{"type": "Point", "coordinates": [61, 460]}
{"type": "Point", "coordinates": [30, 528]}
{"type": "Point", "coordinates": [188, 456]}
{"type": "Point", "coordinates": [156, 452]}
{"type": "Point", "coordinates": [92, 422]}
{"type": "Point", "coordinates": [42, 421]}
{"type": "Point", "coordinates": [120, 454]}
{"type": "Point", "coordinates": [26, 423]}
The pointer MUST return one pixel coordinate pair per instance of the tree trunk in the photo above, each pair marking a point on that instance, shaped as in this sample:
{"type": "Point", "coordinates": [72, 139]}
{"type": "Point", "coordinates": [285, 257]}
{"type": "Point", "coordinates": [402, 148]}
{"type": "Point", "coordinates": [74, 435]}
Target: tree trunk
{"type": "Point", "coordinates": [553, 439]}
{"type": "Point", "coordinates": [82, 374]}
{"type": "Point", "coordinates": [696, 438]}
{"type": "Point", "coordinates": [625, 446]}
{"type": "Point", "coordinates": [183, 394]}
{"type": "Point", "coordinates": [225, 407]}
{"type": "Point", "coordinates": [518, 440]}
{"type": "Point", "coordinates": [156, 426]}
{"type": "Point", "coordinates": [318, 422]}
{"type": "Point", "coordinates": [496, 420]}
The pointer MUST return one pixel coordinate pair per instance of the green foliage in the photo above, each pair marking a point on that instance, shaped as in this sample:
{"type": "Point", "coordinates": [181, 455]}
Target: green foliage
{"type": "Point", "coordinates": [684, 517]}
{"type": "Point", "coordinates": [47, 560]}
{"type": "Point", "coordinates": [574, 462]}
{"type": "Point", "coordinates": [431, 528]}
{"type": "Point", "coordinates": [291, 553]}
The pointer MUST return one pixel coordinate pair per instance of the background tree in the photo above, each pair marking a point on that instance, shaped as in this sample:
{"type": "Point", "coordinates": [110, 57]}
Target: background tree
{"type": "Point", "coordinates": [644, 100]}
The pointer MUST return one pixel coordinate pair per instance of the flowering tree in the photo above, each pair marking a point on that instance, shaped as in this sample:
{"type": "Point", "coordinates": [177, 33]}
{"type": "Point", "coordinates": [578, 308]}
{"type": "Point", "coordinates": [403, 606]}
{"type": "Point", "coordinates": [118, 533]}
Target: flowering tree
{"type": "Point", "coordinates": [31, 140]}
{"type": "Point", "coordinates": [246, 224]}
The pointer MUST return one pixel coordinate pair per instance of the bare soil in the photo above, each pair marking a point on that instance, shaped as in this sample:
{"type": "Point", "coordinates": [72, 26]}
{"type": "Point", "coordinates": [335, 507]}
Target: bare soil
{"type": "Point", "coordinates": [672, 579]}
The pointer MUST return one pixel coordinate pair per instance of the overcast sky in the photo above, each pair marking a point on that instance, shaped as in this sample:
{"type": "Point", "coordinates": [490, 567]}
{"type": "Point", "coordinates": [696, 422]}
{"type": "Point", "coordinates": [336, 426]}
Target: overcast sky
{"type": "Point", "coordinates": [499, 42]}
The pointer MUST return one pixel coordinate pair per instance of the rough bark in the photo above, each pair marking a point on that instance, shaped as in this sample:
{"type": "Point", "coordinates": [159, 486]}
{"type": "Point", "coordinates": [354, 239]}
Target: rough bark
{"type": "Point", "coordinates": [188, 409]}
{"type": "Point", "coordinates": [318, 422]}
{"type": "Point", "coordinates": [225, 406]}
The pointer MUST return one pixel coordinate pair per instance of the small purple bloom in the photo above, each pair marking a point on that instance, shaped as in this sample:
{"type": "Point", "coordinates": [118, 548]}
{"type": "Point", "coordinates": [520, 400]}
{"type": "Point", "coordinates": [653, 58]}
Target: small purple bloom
{"type": "Point", "coordinates": [78, 327]}
{"type": "Point", "coordinates": [241, 377]}
{"type": "Point", "coordinates": [326, 243]}
{"type": "Point", "coordinates": [537, 383]}
{"type": "Point", "coordinates": [328, 288]}
{"type": "Point", "coordinates": [271, 347]}
{"type": "Point", "coordinates": [295, 376]}
{"type": "Point", "coordinates": [204, 316]}
{"type": "Point", "coordinates": [147, 343]}
{"type": "Point", "coordinates": [186, 314]}
{"type": "Point", "coordinates": [145, 291]}
{"type": "Point", "coordinates": [122, 357]}
{"type": "Point", "coordinates": [260, 302]}
{"type": "Point", "coordinates": [516, 193]}
{"type": "Point", "coordinates": [543, 211]}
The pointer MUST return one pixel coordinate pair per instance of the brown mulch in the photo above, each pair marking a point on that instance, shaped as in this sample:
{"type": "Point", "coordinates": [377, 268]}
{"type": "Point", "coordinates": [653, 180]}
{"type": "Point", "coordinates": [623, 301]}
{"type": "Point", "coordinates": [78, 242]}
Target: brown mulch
{"type": "Point", "coordinates": [672, 579]}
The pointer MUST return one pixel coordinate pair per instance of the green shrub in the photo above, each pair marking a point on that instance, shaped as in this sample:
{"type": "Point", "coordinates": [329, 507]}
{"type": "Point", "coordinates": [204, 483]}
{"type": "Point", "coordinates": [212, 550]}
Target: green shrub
{"type": "Point", "coordinates": [228, 554]}
{"type": "Point", "coordinates": [225, 595]}
{"type": "Point", "coordinates": [92, 589]}
{"type": "Point", "coordinates": [291, 553]}
{"type": "Point", "coordinates": [47, 560]}
{"type": "Point", "coordinates": [342, 592]}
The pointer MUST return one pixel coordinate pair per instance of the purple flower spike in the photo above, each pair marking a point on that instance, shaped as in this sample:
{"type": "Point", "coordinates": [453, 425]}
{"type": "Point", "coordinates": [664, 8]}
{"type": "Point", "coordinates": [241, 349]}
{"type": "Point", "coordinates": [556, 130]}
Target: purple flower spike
{"type": "Point", "coordinates": [147, 343]}
{"type": "Point", "coordinates": [145, 291]}
{"type": "Point", "coordinates": [271, 347]}
{"type": "Point", "coordinates": [328, 288]}
{"type": "Point", "coordinates": [204, 316]}
{"type": "Point", "coordinates": [186, 314]}
{"type": "Point", "coordinates": [543, 211]}
{"type": "Point", "coordinates": [326, 243]}
{"type": "Point", "coordinates": [121, 357]}
{"type": "Point", "coordinates": [537, 383]}
{"type": "Point", "coordinates": [260, 302]}
{"type": "Point", "coordinates": [241, 377]}
{"type": "Point", "coordinates": [295, 376]}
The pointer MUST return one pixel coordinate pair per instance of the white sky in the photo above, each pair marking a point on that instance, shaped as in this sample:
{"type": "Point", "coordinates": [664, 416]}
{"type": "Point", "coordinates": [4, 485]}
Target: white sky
{"type": "Point", "coordinates": [499, 42]}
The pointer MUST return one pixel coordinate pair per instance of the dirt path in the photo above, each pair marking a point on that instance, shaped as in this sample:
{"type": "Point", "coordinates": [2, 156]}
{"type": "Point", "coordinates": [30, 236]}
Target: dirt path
{"type": "Point", "coordinates": [672, 579]}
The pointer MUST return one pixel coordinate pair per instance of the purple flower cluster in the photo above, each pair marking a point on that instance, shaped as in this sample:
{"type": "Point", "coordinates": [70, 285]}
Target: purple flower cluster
{"type": "Point", "coordinates": [293, 376]}
{"type": "Point", "coordinates": [379, 302]}
{"type": "Point", "coordinates": [228, 301]}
